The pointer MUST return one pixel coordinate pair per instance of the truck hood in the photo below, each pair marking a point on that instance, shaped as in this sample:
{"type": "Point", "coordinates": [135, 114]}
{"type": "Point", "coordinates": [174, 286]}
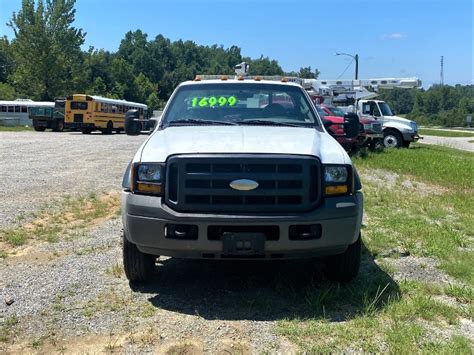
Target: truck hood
{"type": "Point", "coordinates": [241, 139]}
{"type": "Point", "coordinates": [398, 119]}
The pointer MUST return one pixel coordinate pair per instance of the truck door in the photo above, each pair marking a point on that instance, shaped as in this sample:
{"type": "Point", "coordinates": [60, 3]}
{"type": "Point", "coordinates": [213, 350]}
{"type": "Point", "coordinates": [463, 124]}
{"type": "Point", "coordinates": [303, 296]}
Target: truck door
{"type": "Point", "coordinates": [370, 110]}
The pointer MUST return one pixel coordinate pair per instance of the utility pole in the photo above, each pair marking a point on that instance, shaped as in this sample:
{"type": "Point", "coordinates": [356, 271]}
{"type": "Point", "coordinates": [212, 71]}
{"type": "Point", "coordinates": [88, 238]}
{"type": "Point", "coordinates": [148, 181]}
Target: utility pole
{"type": "Point", "coordinates": [357, 66]}
{"type": "Point", "coordinates": [441, 74]}
{"type": "Point", "coordinates": [356, 58]}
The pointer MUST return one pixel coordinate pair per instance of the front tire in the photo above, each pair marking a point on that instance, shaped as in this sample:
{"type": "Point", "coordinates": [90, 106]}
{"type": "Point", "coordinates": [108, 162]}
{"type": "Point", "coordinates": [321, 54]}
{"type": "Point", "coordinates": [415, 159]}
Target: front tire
{"type": "Point", "coordinates": [37, 127]}
{"type": "Point", "coordinates": [138, 266]}
{"type": "Point", "coordinates": [392, 139]}
{"type": "Point", "coordinates": [58, 126]}
{"type": "Point", "coordinates": [344, 267]}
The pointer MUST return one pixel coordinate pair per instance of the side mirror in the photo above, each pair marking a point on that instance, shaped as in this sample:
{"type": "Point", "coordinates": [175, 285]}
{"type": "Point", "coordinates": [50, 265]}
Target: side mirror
{"type": "Point", "coordinates": [351, 125]}
{"type": "Point", "coordinates": [133, 126]}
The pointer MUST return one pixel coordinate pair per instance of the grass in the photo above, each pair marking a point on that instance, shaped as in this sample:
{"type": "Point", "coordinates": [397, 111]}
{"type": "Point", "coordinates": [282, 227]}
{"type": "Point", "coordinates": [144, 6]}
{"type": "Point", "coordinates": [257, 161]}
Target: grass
{"type": "Point", "coordinates": [430, 164]}
{"type": "Point", "coordinates": [444, 133]}
{"type": "Point", "coordinates": [15, 128]}
{"type": "Point", "coordinates": [421, 203]}
{"type": "Point", "coordinates": [71, 215]}
{"type": "Point", "coordinates": [7, 328]}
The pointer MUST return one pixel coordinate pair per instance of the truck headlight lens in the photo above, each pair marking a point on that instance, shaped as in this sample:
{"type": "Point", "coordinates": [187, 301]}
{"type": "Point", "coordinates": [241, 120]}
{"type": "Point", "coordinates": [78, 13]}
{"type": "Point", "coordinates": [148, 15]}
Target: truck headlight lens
{"type": "Point", "coordinates": [149, 172]}
{"type": "Point", "coordinates": [414, 126]}
{"type": "Point", "coordinates": [337, 180]}
{"type": "Point", "coordinates": [149, 178]}
{"type": "Point", "coordinates": [335, 174]}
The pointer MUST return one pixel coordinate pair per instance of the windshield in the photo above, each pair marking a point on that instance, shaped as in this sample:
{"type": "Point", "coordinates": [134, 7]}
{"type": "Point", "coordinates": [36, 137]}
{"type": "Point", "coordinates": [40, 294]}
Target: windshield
{"type": "Point", "coordinates": [240, 103]}
{"type": "Point", "coordinates": [78, 105]}
{"type": "Point", "coordinates": [336, 111]}
{"type": "Point", "coordinates": [385, 109]}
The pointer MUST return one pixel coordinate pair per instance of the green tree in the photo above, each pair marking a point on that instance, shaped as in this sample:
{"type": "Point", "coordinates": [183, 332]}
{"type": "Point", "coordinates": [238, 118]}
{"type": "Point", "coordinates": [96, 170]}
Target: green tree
{"type": "Point", "coordinates": [6, 60]}
{"type": "Point", "coordinates": [46, 49]}
{"type": "Point", "coordinates": [308, 73]}
{"type": "Point", "coordinates": [7, 92]}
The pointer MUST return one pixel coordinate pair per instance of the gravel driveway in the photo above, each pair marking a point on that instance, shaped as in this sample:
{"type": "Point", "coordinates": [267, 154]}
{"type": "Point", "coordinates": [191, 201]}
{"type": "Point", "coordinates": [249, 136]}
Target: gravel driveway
{"type": "Point", "coordinates": [38, 167]}
{"type": "Point", "coordinates": [452, 142]}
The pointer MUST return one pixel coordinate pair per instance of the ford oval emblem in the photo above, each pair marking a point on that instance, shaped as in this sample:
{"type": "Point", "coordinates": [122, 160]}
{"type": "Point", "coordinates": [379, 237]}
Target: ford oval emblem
{"type": "Point", "coordinates": [243, 184]}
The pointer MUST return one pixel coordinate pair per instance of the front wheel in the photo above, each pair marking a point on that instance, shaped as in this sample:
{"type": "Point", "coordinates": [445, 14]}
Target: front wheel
{"type": "Point", "coordinates": [344, 267]}
{"type": "Point", "coordinates": [37, 127]}
{"type": "Point", "coordinates": [138, 266]}
{"type": "Point", "coordinates": [392, 139]}
{"type": "Point", "coordinates": [58, 126]}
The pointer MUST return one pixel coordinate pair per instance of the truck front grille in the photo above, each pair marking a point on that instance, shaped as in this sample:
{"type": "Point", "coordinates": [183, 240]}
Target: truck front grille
{"type": "Point", "coordinates": [201, 183]}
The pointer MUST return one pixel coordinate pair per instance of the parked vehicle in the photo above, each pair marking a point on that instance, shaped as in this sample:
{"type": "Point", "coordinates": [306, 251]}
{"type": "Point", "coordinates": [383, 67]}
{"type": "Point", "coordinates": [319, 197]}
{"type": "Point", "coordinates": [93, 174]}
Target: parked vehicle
{"type": "Point", "coordinates": [397, 131]}
{"type": "Point", "coordinates": [228, 174]}
{"type": "Point", "coordinates": [48, 117]}
{"type": "Point", "coordinates": [336, 129]}
{"type": "Point", "coordinates": [16, 113]}
{"type": "Point", "coordinates": [370, 133]}
{"type": "Point", "coordinates": [89, 113]}
{"type": "Point", "coordinates": [353, 95]}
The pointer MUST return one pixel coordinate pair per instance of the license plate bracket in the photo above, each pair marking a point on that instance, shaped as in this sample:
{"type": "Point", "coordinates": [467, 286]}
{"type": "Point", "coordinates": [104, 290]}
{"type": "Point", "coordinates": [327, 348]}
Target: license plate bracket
{"type": "Point", "coordinates": [243, 243]}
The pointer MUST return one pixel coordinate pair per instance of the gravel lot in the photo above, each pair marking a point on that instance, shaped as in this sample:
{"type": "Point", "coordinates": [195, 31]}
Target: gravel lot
{"type": "Point", "coordinates": [37, 168]}
{"type": "Point", "coordinates": [72, 295]}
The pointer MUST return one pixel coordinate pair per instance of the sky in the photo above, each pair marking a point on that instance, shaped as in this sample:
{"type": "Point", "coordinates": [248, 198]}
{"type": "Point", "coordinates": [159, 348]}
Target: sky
{"type": "Point", "coordinates": [393, 38]}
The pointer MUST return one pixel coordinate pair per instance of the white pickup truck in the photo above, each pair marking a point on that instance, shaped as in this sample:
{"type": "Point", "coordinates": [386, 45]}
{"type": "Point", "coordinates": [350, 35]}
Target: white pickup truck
{"type": "Point", "coordinates": [242, 169]}
{"type": "Point", "coordinates": [397, 131]}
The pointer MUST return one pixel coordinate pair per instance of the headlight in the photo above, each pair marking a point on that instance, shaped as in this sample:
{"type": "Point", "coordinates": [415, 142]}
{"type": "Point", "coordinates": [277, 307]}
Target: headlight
{"type": "Point", "coordinates": [413, 126]}
{"type": "Point", "coordinates": [335, 174]}
{"type": "Point", "coordinates": [149, 172]}
{"type": "Point", "coordinates": [148, 178]}
{"type": "Point", "coordinates": [338, 180]}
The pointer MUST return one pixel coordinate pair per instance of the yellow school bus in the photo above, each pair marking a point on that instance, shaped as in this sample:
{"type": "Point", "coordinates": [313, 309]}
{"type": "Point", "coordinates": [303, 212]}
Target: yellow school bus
{"type": "Point", "coordinates": [88, 113]}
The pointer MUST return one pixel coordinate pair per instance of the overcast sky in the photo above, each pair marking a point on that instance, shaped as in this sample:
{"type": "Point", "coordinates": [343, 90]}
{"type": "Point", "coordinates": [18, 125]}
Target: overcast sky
{"type": "Point", "coordinates": [393, 38]}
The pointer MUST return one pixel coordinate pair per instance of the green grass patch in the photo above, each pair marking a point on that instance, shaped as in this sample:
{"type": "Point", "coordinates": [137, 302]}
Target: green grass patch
{"type": "Point", "coordinates": [7, 328]}
{"type": "Point", "coordinates": [431, 216]}
{"type": "Point", "coordinates": [71, 215]}
{"type": "Point", "coordinates": [430, 164]}
{"type": "Point", "coordinates": [15, 128]}
{"type": "Point", "coordinates": [444, 133]}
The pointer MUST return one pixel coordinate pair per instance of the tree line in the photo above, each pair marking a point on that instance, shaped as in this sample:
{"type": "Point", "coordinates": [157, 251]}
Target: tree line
{"type": "Point", "coordinates": [442, 105]}
{"type": "Point", "coordinates": [44, 60]}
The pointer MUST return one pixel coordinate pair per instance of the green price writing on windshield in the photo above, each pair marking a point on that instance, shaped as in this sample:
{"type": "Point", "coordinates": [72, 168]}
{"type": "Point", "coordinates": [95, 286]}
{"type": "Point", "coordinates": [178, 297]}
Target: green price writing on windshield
{"type": "Point", "coordinates": [213, 101]}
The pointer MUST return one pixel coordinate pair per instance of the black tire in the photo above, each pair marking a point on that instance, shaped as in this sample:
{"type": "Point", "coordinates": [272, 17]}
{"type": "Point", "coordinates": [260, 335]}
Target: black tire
{"type": "Point", "coordinates": [138, 266]}
{"type": "Point", "coordinates": [38, 128]}
{"type": "Point", "coordinates": [392, 139]}
{"type": "Point", "coordinates": [132, 128]}
{"type": "Point", "coordinates": [344, 267]}
{"type": "Point", "coordinates": [58, 126]}
{"type": "Point", "coordinates": [86, 131]}
{"type": "Point", "coordinates": [109, 129]}
{"type": "Point", "coordinates": [406, 144]}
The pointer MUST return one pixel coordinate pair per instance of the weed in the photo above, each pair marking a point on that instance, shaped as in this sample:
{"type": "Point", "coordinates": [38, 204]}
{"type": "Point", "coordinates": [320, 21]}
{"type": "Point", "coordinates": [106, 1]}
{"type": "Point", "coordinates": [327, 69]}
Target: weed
{"type": "Point", "coordinates": [461, 293]}
{"type": "Point", "coordinates": [7, 328]}
{"type": "Point", "coordinates": [116, 270]}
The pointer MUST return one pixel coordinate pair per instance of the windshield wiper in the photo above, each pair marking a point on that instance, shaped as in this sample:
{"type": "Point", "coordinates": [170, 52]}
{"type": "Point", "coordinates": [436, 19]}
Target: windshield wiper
{"type": "Point", "coordinates": [268, 123]}
{"type": "Point", "coordinates": [195, 121]}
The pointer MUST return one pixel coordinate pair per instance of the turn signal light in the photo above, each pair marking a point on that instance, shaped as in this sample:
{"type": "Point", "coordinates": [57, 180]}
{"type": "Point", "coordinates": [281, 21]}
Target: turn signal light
{"type": "Point", "coordinates": [148, 188]}
{"type": "Point", "coordinates": [336, 190]}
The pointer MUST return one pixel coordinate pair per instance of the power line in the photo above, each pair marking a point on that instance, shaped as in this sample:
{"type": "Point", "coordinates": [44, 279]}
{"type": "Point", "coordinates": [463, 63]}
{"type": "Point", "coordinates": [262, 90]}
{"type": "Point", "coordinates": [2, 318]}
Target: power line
{"type": "Point", "coordinates": [348, 65]}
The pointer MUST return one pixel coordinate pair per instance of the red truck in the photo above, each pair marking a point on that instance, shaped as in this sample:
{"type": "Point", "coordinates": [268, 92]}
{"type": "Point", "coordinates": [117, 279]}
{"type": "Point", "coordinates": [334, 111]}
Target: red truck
{"type": "Point", "coordinates": [370, 131]}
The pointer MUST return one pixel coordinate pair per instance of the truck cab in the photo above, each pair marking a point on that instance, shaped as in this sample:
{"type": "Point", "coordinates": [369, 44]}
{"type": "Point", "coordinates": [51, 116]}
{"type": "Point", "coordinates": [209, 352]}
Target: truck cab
{"type": "Point", "coordinates": [397, 131]}
{"type": "Point", "coordinates": [242, 169]}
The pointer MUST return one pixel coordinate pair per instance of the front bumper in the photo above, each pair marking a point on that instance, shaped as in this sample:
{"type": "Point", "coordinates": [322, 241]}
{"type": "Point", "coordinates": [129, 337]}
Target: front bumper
{"type": "Point", "coordinates": [411, 136]}
{"type": "Point", "coordinates": [145, 220]}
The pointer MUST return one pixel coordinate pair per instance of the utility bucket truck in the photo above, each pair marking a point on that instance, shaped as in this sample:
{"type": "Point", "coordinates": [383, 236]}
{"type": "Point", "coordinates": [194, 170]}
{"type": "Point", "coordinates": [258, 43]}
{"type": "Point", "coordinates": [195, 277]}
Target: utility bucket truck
{"type": "Point", "coordinates": [359, 96]}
